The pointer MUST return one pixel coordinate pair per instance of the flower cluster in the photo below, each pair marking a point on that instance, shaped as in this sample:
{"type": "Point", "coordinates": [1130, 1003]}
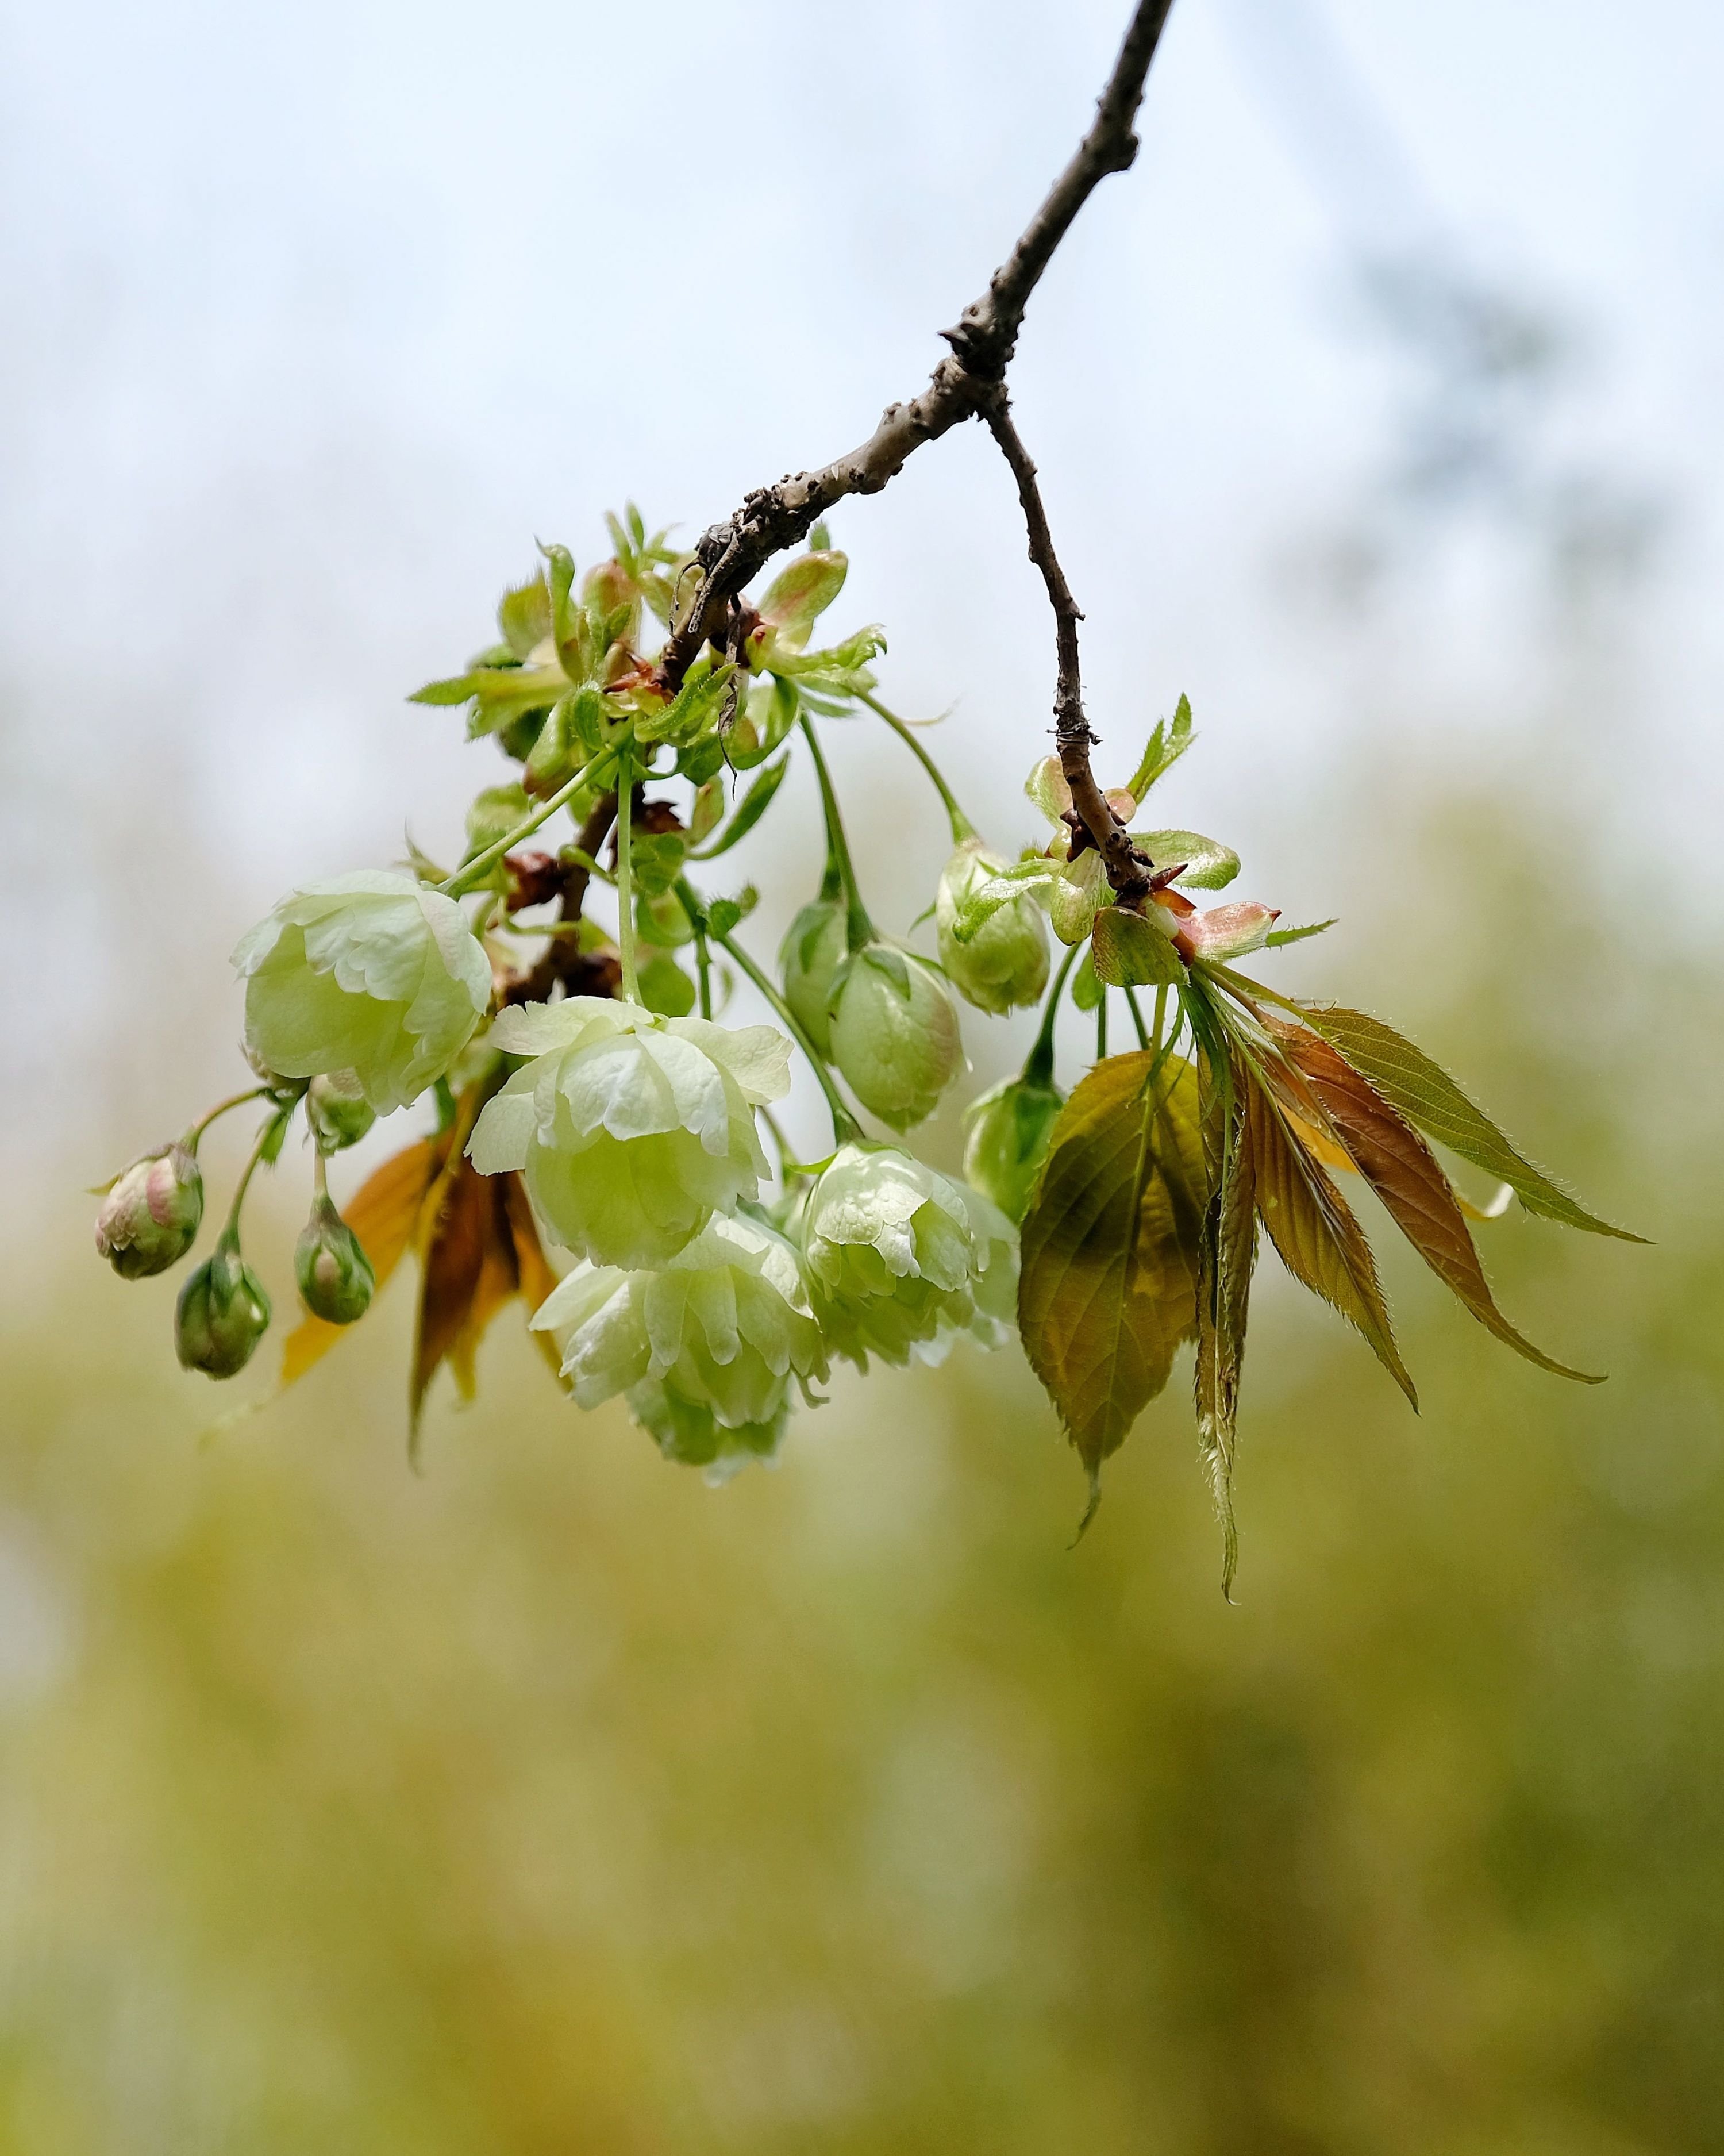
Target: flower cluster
{"type": "Point", "coordinates": [559, 1008]}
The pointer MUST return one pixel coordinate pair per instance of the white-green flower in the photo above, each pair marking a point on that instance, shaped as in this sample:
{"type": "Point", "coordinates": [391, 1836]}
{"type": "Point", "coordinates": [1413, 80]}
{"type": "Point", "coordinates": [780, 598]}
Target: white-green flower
{"type": "Point", "coordinates": [632, 1129]}
{"type": "Point", "coordinates": [894, 1033]}
{"type": "Point", "coordinates": [901, 1259]}
{"type": "Point", "coordinates": [724, 1329]}
{"type": "Point", "coordinates": [694, 1436]}
{"type": "Point", "coordinates": [1005, 962]}
{"type": "Point", "coordinates": [369, 972]}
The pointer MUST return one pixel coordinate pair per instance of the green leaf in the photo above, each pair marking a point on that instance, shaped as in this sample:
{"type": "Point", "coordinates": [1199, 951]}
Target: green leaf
{"type": "Point", "coordinates": [1401, 1169]}
{"type": "Point", "coordinates": [1166, 747]}
{"type": "Point", "coordinates": [1086, 990]}
{"type": "Point", "coordinates": [1108, 1288]}
{"type": "Point", "coordinates": [524, 617]}
{"type": "Point", "coordinates": [1427, 1095]}
{"type": "Point", "coordinates": [660, 920]}
{"type": "Point", "coordinates": [1313, 1228]}
{"type": "Point", "coordinates": [708, 811]}
{"type": "Point", "coordinates": [561, 563]}
{"type": "Point", "coordinates": [749, 810]}
{"type": "Point", "coordinates": [1208, 865]}
{"type": "Point", "coordinates": [1277, 936]}
{"type": "Point", "coordinates": [693, 710]}
{"type": "Point", "coordinates": [801, 591]}
{"type": "Point", "coordinates": [762, 724]}
{"type": "Point", "coordinates": [455, 691]}
{"type": "Point", "coordinates": [725, 914]}
{"type": "Point", "coordinates": [987, 899]}
{"type": "Point", "coordinates": [1131, 953]}
{"type": "Point", "coordinates": [1228, 1254]}
{"type": "Point", "coordinates": [655, 859]}
{"type": "Point", "coordinates": [665, 987]}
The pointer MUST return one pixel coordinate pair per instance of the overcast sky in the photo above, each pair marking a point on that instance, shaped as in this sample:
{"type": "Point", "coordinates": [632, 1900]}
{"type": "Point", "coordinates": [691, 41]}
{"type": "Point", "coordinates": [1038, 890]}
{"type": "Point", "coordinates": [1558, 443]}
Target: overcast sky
{"type": "Point", "coordinates": [314, 317]}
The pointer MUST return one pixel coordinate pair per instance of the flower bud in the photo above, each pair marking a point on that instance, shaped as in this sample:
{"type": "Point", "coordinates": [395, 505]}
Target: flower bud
{"type": "Point", "coordinates": [337, 1110]}
{"type": "Point", "coordinates": [1008, 1131]}
{"type": "Point", "coordinates": [894, 1033]}
{"type": "Point", "coordinates": [1005, 962]}
{"type": "Point", "coordinates": [808, 958]}
{"type": "Point", "coordinates": [334, 1275]}
{"type": "Point", "coordinates": [222, 1314]}
{"type": "Point", "coordinates": [149, 1216]}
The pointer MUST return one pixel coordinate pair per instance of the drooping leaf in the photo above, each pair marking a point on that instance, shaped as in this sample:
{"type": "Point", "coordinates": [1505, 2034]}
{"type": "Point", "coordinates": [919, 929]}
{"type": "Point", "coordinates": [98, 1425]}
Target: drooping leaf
{"type": "Point", "coordinates": [1228, 1254]}
{"type": "Point", "coordinates": [1424, 1093]}
{"type": "Point", "coordinates": [1402, 1170]}
{"type": "Point", "coordinates": [1314, 1230]}
{"type": "Point", "coordinates": [1108, 1287]}
{"type": "Point", "coordinates": [525, 616]}
{"type": "Point", "coordinates": [1131, 953]}
{"type": "Point", "coordinates": [383, 1214]}
{"type": "Point", "coordinates": [1208, 865]}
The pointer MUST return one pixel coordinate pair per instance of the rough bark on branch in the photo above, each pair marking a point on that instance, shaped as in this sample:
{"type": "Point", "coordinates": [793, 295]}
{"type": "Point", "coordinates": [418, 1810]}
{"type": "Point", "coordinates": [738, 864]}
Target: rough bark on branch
{"type": "Point", "coordinates": [772, 518]}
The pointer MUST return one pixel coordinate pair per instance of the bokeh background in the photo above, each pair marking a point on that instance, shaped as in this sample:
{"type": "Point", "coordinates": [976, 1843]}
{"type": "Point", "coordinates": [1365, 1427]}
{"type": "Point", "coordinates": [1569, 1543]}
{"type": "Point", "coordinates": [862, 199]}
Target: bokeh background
{"type": "Point", "coordinates": [549, 1801]}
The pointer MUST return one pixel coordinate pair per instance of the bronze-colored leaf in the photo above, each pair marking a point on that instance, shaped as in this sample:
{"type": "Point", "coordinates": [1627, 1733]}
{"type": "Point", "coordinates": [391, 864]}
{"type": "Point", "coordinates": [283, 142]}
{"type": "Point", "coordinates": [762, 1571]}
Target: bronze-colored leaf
{"type": "Point", "coordinates": [1402, 1170]}
{"type": "Point", "coordinates": [1108, 1287]}
{"type": "Point", "coordinates": [1313, 1229]}
{"type": "Point", "coordinates": [384, 1215]}
{"type": "Point", "coordinates": [1424, 1093]}
{"type": "Point", "coordinates": [457, 1231]}
{"type": "Point", "coordinates": [1227, 1254]}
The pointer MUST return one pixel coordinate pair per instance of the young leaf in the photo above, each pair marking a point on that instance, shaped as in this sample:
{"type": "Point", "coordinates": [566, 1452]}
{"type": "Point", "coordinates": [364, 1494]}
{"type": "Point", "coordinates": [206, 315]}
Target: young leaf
{"type": "Point", "coordinates": [1086, 990]}
{"type": "Point", "coordinates": [1401, 1169]}
{"type": "Point", "coordinates": [1227, 1254]}
{"type": "Point", "coordinates": [1426, 1095]}
{"type": "Point", "coordinates": [1108, 1288]}
{"type": "Point", "coordinates": [1208, 865]}
{"type": "Point", "coordinates": [753, 805]}
{"type": "Point", "coordinates": [1277, 936]}
{"type": "Point", "coordinates": [525, 616]}
{"type": "Point", "coordinates": [1166, 747]}
{"type": "Point", "coordinates": [1131, 953]}
{"type": "Point", "coordinates": [1313, 1229]}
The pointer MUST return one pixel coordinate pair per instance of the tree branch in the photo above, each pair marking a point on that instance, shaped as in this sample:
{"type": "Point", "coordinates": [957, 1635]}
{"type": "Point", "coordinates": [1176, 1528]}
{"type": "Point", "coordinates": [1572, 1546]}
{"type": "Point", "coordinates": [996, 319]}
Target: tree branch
{"type": "Point", "coordinates": [982, 341]}
{"type": "Point", "coordinates": [1092, 821]}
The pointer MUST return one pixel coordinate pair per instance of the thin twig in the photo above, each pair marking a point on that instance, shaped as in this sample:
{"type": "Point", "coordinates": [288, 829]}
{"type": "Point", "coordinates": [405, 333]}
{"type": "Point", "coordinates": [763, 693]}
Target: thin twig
{"type": "Point", "coordinates": [772, 518]}
{"type": "Point", "coordinates": [1092, 821]}
{"type": "Point", "coordinates": [582, 972]}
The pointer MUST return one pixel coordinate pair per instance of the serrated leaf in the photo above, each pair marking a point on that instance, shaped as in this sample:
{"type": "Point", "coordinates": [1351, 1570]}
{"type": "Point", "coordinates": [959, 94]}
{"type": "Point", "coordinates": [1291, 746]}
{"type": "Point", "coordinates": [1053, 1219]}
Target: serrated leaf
{"type": "Point", "coordinates": [1208, 865]}
{"type": "Point", "coordinates": [456, 690]}
{"type": "Point", "coordinates": [749, 810]}
{"type": "Point", "coordinates": [1313, 1229]}
{"type": "Point", "coordinates": [1401, 1169]}
{"type": "Point", "coordinates": [1277, 936]}
{"type": "Point", "coordinates": [1166, 745]}
{"type": "Point", "coordinates": [1227, 1254]}
{"type": "Point", "coordinates": [1108, 1288]}
{"type": "Point", "coordinates": [1131, 953]}
{"type": "Point", "coordinates": [1424, 1093]}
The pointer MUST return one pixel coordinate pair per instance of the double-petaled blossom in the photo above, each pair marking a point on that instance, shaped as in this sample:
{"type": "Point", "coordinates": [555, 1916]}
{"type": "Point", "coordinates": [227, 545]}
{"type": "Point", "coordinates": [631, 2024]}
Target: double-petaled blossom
{"type": "Point", "coordinates": [1004, 963]}
{"type": "Point", "coordinates": [632, 1130]}
{"type": "Point", "coordinates": [714, 1340]}
{"type": "Point", "coordinates": [371, 974]}
{"type": "Point", "coordinates": [894, 1033]}
{"type": "Point", "coordinates": [901, 1259]}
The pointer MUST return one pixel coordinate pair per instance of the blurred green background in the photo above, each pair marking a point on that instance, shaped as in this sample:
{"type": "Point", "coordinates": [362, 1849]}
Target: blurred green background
{"type": "Point", "coordinates": [550, 1801]}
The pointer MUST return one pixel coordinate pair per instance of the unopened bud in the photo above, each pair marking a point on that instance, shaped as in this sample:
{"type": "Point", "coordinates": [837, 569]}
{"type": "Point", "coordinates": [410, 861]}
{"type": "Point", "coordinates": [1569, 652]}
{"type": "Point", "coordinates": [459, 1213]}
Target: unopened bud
{"type": "Point", "coordinates": [222, 1314]}
{"type": "Point", "coordinates": [1009, 1130]}
{"type": "Point", "coordinates": [334, 1275]}
{"type": "Point", "coordinates": [808, 959]}
{"type": "Point", "coordinates": [149, 1216]}
{"type": "Point", "coordinates": [894, 1033]}
{"type": "Point", "coordinates": [1005, 962]}
{"type": "Point", "coordinates": [337, 1110]}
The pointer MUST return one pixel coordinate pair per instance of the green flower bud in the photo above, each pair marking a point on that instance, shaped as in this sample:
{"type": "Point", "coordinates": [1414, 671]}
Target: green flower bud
{"type": "Point", "coordinates": [1005, 962]}
{"type": "Point", "coordinates": [369, 972]}
{"type": "Point", "coordinates": [150, 1214]}
{"type": "Point", "coordinates": [1009, 1128]}
{"type": "Point", "coordinates": [334, 1275]}
{"type": "Point", "coordinates": [894, 1033]}
{"type": "Point", "coordinates": [901, 1259]}
{"type": "Point", "coordinates": [222, 1314]}
{"type": "Point", "coordinates": [808, 959]}
{"type": "Point", "coordinates": [632, 1129]}
{"type": "Point", "coordinates": [723, 1331]}
{"type": "Point", "coordinates": [337, 1110]}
